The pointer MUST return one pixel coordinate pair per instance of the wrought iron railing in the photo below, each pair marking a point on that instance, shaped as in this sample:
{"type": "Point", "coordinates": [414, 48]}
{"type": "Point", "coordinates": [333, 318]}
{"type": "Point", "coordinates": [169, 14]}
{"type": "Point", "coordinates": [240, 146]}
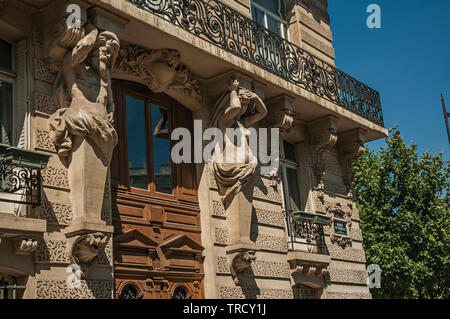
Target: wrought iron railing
{"type": "Point", "coordinates": [230, 30]}
{"type": "Point", "coordinates": [20, 175]}
{"type": "Point", "coordinates": [11, 292]}
{"type": "Point", "coordinates": [306, 229]}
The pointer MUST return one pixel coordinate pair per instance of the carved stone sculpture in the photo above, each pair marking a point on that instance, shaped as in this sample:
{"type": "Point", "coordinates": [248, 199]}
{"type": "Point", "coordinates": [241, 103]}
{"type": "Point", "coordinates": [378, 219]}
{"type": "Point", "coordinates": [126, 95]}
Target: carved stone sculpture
{"type": "Point", "coordinates": [82, 129]}
{"type": "Point", "coordinates": [234, 166]}
{"type": "Point", "coordinates": [160, 70]}
{"type": "Point", "coordinates": [86, 249]}
{"type": "Point", "coordinates": [240, 263]}
{"type": "Point", "coordinates": [25, 246]}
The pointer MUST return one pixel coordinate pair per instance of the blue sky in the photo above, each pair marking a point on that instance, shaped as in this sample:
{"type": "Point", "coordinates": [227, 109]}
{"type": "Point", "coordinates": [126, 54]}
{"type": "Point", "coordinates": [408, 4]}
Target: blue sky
{"type": "Point", "coordinates": [407, 61]}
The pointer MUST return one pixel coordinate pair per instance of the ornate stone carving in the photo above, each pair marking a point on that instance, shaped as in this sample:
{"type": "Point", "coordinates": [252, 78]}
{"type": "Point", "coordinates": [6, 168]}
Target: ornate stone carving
{"type": "Point", "coordinates": [56, 213]}
{"type": "Point", "coordinates": [280, 113]}
{"type": "Point", "coordinates": [82, 128]}
{"type": "Point", "coordinates": [25, 246]}
{"type": "Point", "coordinates": [234, 168]}
{"type": "Point", "coordinates": [254, 293]}
{"type": "Point", "coordinates": [344, 215]}
{"type": "Point", "coordinates": [90, 289]}
{"type": "Point", "coordinates": [45, 104]}
{"type": "Point", "coordinates": [240, 263]}
{"type": "Point", "coordinates": [52, 251]}
{"type": "Point", "coordinates": [160, 70]}
{"type": "Point", "coordinates": [351, 146]}
{"type": "Point", "coordinates": [55, 177]}
{"type": "Point", "coordinates": [42, 71]}
{"type": "Point", "coordinates": [44, 142]}
{"type": "Point", "coordinates": [323, 136]}
{"type": "Point", "coordinates": [86, 249]}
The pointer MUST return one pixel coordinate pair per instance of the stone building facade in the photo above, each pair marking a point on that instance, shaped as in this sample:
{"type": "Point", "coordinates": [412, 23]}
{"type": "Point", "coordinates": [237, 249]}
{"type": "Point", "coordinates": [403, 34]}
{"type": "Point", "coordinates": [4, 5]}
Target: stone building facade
{"type": "Point", "coordinates": [92, 206]}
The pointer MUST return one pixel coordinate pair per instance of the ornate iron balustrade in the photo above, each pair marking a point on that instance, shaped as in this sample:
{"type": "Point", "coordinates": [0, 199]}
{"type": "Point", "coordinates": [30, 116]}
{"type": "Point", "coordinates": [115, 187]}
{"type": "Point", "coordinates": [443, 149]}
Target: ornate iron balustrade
{"type": "Point", "coordinates": [230, 30]}
{"type": "Point", "coordinates": [20, 175]}
{"type": "Point", "coordinates": [309, 228]}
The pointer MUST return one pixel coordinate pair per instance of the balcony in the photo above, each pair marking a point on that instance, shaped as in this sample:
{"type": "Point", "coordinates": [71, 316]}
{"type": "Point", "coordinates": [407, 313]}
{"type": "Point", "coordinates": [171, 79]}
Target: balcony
{"type": "Point", "coordinates": [20, 188]}
{"type": "Point", "coordinates": [230, 30]}
{"type": "Point", "coordinates": [308, 253]}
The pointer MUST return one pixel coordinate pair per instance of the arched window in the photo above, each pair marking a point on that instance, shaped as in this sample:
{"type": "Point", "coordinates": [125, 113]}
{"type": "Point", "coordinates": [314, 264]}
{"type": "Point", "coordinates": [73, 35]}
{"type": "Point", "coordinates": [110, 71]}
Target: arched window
{"type": "Point", "coordinates": [129, 292]}
{"type": "Point", "coordinates": [179, 293]}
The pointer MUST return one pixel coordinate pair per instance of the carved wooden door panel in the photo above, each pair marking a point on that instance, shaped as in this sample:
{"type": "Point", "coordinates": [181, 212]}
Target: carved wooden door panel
{"type": "Point", "coordinates": [157, 243]}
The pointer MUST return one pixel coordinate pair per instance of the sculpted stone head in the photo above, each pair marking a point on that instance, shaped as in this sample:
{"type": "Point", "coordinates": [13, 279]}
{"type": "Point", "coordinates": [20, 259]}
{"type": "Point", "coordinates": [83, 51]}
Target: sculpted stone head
{"type": "Point", "coordinates": [105, 52]}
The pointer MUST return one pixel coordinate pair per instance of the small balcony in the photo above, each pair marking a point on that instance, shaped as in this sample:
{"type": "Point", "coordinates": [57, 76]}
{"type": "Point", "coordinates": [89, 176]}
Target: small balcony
{"type": "Point", "coordinates": [308, 253]}
{"type": "Point", "coordinates": [234, 32]}
{"type": "Point", "coordinates": [20, 190]}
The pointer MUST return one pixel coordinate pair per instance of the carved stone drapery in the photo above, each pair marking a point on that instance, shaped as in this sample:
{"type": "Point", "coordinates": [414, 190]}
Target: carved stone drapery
{"type": "Point", "coordinates": [161, 70]}
{"type": "Point", "coordinates": [323, 136]}
{"type": "Point", "coordinates": [351, 146]}
{"type": "Point", "coordinates": [86, 249]}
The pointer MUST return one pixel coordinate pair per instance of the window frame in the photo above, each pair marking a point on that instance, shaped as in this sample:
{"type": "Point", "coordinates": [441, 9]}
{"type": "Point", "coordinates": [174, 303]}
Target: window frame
{"type": "Point", "coordinates": [9, 76]}
{"type": "Point", "coordinates": [121, 180]}
{"type": "Point", "coordinates": [278, 18]}
{"type": "Point", "coordinates": [284, 164]}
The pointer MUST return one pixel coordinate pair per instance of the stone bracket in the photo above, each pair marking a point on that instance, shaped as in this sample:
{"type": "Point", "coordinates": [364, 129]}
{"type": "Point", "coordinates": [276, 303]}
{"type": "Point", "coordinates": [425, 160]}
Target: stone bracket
{"type": "Point", "coordinates": [85, 250]}
{"type": "Point", "coordinates": [25, 245]}
{"type": "Point", "coordinates": [351, 146]}
{"type": "Point", "coordinates": [323, 136]}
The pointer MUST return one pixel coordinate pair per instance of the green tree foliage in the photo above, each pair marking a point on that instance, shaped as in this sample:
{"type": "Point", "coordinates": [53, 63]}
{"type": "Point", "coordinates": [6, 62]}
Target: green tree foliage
{"type": "Point", "coordinates": [403, 200]}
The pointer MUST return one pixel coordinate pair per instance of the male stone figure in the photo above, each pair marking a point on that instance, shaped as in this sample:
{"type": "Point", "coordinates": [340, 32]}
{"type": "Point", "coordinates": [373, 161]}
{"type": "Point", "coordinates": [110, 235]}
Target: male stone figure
{"type": "Point", "coordinates": [82, 129]}
{"type": "Point", "coordinates": [86, 79]}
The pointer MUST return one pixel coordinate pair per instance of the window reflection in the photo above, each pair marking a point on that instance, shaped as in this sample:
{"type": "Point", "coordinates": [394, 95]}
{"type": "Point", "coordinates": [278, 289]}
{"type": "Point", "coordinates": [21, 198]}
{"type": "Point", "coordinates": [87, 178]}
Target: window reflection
{"type": "Point", "coordinates": [161, 150]}
{"type": "Point", "coordinates": [137, 145]}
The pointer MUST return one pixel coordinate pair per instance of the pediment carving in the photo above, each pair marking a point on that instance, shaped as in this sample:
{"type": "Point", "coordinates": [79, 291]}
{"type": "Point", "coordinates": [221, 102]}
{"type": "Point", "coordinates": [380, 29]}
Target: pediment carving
{"type": "Point", "coordinates": [180, 253]}
{"type": "Point", "coordinates": [134, 238]}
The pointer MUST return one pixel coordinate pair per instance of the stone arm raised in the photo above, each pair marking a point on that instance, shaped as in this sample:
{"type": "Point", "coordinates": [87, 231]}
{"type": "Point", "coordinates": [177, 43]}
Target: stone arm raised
{"type": "Point", "coordinates": [260, 112]}
{"type": "Point", "coordinates": [233, 110]}
{"type": "Point", "coordinates": [84, 47]}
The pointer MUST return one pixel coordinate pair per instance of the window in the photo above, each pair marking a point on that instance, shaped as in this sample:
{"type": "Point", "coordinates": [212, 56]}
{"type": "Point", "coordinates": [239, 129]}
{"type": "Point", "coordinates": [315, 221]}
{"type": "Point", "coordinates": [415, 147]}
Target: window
{"type": "Point", "coordinates": [142, 160]}
{"type": "Point", "coordinates": [289, 173]}
{"type": "Point", "coordinates": [272, 15]}
{"type": "Point", "coordinates": [6, 92]}
{"type": "Point", "coordinates": [129, 292]}
{"type": "Point", "coordinates": [179, 293]}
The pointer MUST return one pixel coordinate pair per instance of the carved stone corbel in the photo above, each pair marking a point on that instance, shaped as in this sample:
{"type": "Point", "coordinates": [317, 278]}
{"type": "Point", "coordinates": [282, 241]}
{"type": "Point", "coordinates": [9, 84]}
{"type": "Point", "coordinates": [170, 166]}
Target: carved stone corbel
{"type": "Point", "coordinates": [86, 249]}
{"type": "Point", "coordinates": [25, 246]}
{"type": "Point", "coordinates": [351, 146]}
{"type": "Point", "coordinates": [280, 113]}
{"type": "Point", "coordinates": [323, 136]}
{"type": "Point", "coordinates": [241, 262]}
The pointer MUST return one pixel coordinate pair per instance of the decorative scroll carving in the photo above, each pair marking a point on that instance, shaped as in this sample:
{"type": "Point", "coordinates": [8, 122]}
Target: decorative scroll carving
{"type": "Point", "coordinates": [25, 246]}
{"type": "Point", "coordinates": [280, 113]}
{"type": "Point", "coordinates": [42, 71]}
{"type": "Point", "coordinates": [160, 70]}
{"type": "Point", "coordinates": [86, 249]}
{"type": "Point", "coordinates": [323, 136]}
{"type": "Point", "coordinates": [351, 146]}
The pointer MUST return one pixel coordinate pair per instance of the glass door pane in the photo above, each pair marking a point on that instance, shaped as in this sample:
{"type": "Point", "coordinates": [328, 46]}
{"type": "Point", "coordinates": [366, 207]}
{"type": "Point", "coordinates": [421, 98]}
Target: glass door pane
{"type": "Point", "coordinates": [162, 163]}
{"type": "Point", "coordinates": [137, 143]}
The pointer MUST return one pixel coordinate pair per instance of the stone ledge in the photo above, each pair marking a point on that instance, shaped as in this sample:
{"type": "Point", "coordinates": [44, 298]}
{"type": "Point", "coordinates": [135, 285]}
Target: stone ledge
{"type": "Point", "coordinates": [10, 224]}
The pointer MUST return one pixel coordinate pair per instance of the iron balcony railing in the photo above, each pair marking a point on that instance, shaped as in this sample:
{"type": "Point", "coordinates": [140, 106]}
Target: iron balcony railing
{"type": "Point", "coordinates": [230, 30]}
{"type": "Point", "coordinates": [20, 175]}
{"type": "Point", "coordinates": [307, 229]}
